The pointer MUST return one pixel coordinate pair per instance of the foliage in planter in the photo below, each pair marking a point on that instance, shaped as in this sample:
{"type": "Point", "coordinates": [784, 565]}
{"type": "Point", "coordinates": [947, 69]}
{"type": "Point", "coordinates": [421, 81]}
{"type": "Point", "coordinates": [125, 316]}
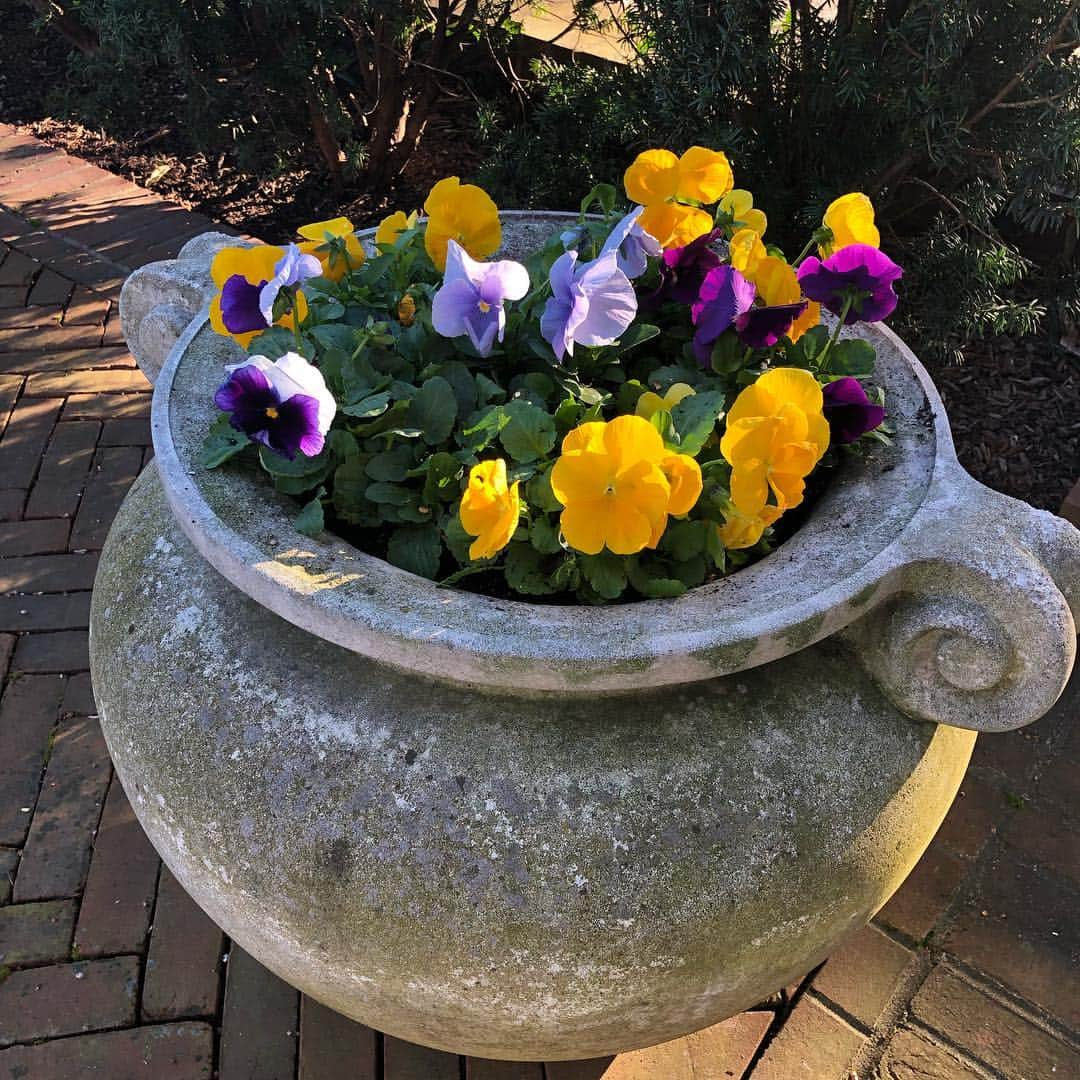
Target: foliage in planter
{"type": "Point", "coordinates": [629, 411]}
{"type": "Point", "coordinates": [960, 119]}
{"type": "Point", "coordinates": [359, 78]}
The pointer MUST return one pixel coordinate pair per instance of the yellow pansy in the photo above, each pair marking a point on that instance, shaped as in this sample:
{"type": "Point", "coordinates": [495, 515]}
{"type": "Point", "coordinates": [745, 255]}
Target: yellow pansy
{"type": "Point", "coordinates": [745, 530]}
{"type": "Point", "coordinates": [649, 404]}
{"type": "Point", "coordinates": [745, 251]}
{"type": "Point", "coordinates": [701, 174]}
{"type": "Point", "coordinates": [406, 310]}
{"type": "Point", "coordinates": [618, 483]}
{"type": "Point", "coordinates": [320, 237]}
{"type": "Point", "coordinates": [489, 509]}
{"type": "Point", "coordinates": [674, 224]}
{"type": "Point", "coordinates": [851, 221]}
{"type": "Point", "coordinates": [777, 284]}
{"type": "Point", "coordinates": [461, 212]}
{"type": "Point", "coordinates": [739, 203]}
{"type": "Point", "coordinates": [256, 266]}
{"type": "Point", "coordinates": [393, 225]}
{"type": "Point", "coordinates": [776, 433]}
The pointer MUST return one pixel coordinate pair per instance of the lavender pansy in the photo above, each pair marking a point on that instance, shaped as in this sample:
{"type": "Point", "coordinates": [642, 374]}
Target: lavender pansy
{"type": "Point", "coordinates": [591, 304]}
{"type": "Point", "coordinates": [763, 327]}
{"type": "Point", "coordinates": [293, 268]}
{"type": "Point", "coordinates": [470, 300]}
{"type": "Point", "coordinates": [849, 411]}
{"type": "Point", "coordinates": [859, 273]}
{"type": "Point", "coordinates": [632, 245]}
{"type": "Point", "coordinates": [281, 403]}
{"type": "Point", "coordinates": [725, 294]}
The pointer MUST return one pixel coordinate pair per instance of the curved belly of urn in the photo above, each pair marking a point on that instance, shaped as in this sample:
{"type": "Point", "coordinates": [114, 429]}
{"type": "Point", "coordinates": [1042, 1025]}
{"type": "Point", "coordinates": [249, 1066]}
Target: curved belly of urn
{"type": "Point", "coordinates": [482, 872]}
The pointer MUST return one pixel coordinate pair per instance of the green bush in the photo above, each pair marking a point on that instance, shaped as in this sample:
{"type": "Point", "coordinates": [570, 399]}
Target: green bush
{"type": "Point", "coordinates": [960, 118]}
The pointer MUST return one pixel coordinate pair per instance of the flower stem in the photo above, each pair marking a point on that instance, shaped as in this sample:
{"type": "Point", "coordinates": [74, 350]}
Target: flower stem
{"type": "Point", "coordinates": [805, 251]}
{"type": "Point", "coordinates": [848, 301]}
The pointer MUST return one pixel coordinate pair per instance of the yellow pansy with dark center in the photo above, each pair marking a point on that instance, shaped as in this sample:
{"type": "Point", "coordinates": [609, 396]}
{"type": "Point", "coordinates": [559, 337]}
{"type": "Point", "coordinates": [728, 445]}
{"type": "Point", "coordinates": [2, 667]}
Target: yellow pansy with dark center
{"type": "Point", "coordinates": [461, 212]}
{"type": "Point", "coordinates": [489, 509]}
{"type": "Point", "coordinates": [618, 483]}
{"type": "Point", "coordinates": [776, 434]}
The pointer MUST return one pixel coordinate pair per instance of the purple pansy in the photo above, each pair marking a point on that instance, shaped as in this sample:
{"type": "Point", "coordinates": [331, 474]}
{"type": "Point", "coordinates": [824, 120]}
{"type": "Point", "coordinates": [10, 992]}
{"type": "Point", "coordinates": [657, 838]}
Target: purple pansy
{"type": "Point", "coordinates": [683, 270]}
{"type": "Point", "coordinates": [725, 294]}
{"type": "Point", "coordinates": [470, 300]}
{"type": "Point", "coordinates": [763, 327]}
{"type": "Point", "coordinates": [849, 411]}
{"type": "Point", "coordinates": [632, 245]}
{"type": "Point", "coordinates": [281, 403]}
{"type": "Point", "coordinates": [240, 310]}
{"type": "Point", "coordinates": [591, 304]}
{"type": "Point", "coordinates": [858, 271]}
{"type": "Point", "coordinates": [291, 269]}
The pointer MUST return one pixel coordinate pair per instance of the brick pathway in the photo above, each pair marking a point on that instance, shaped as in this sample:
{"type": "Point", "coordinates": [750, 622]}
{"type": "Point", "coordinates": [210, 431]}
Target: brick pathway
{"type": "Point", "coordinates": [108, 970]}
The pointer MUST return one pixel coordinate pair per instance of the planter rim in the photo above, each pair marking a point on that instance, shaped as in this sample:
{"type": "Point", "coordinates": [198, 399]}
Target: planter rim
{"type": "Point", "coordinates": [825, 576]}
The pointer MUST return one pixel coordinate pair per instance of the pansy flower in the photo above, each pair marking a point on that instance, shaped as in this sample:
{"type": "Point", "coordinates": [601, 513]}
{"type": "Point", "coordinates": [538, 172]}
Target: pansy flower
{"type": "Point", "coordinates": [738, 205]}
{"type": "Point", "coordinates": [683, 270]}
{"type": "Point", "coordinates": [724, 294]}
{"type": "Point", "coordinates": [489, 509]}
{"type": "Point", "coordinates": [849, 411]}
{"type": "Point", "coordinates": [762, 326]}
{"type": "Point", "coordinates": [470, 300]}
{"type": "Point", "coordinates": [335, 244]}
{"type": "Point", "coordinates": [240, 273]}
{"type": "Point", "coordinates": [649, 404]}
{"type": "Point", "coordinates": [856, 282]}
{"type": "Point", "coordinates": [463, 213]}
{"type": "Point", "coordinates": [283, 404]}
{"type": "Point", "coordinates": [292, 269]}
{"type": "Point", "coordinates": [591, 304]}
{"type": "Point", "coordinates": [777, 284]}
{"type": "Point", "coordinates": [393, 225]}
{"type": "Point", "coordinates": [663, 183]}
{"type": "Point", "coordinates": [849, 220]}
{"type": "Point", "coordinates": [632, 245]}
{"type": "Point", "coordinates": [745, 530]}
{"type": "Point", "coordinates": [745, 251]}
{"type": "Point", "coordinates": [618, 483]}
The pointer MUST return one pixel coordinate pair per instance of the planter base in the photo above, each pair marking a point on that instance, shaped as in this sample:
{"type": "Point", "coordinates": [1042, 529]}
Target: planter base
{"type": "Point", "coordinates": [501, 876]}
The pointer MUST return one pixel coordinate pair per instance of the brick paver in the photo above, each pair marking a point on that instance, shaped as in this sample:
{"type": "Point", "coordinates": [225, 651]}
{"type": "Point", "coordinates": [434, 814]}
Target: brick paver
{"type": "Point", "coordinates": [108, 968]}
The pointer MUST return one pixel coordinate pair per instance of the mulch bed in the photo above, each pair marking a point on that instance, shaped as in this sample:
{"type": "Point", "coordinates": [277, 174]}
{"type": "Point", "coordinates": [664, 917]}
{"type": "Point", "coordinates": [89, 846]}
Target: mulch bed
{"type": "Point", "coordinates": [1014, 405]}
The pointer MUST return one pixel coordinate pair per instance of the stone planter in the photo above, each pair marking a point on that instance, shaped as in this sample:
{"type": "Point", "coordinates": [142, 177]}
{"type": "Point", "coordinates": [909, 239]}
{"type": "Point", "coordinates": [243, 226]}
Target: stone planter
{"type": "Point", "coordinates": [543, 832]}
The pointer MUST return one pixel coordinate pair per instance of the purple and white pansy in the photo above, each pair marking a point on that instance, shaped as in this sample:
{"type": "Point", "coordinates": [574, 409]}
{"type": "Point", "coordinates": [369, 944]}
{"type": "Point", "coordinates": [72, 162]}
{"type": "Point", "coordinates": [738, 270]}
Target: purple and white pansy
{"type": "Point", "coordinates": [293, 268]}
{"type": "Point", "coordinates": [283, 404]}
{"type": "Point", "coordinates": [471, 298]}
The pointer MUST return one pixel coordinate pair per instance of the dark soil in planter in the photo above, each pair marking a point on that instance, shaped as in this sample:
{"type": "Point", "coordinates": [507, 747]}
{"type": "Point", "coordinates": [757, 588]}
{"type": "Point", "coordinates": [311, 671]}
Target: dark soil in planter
{"type": "Point", "coordinates": [1014, 405]}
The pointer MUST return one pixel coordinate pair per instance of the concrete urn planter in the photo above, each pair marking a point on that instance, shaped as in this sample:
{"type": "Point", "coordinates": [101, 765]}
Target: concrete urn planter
{"type": "Point", "coordinates": [543, 832]}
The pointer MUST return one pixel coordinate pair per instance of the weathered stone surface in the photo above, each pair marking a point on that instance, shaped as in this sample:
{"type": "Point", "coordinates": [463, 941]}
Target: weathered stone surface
{"type": "Point", "coordinates": [445, 864]}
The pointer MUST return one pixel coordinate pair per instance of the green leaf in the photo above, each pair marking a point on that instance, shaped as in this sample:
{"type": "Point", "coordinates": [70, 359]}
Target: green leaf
{"type": "Point", "coordinates": [482, 428]}
{"type": "Point", "coordinates": [606, 573]}
{"type": "Point", "coordinates": [530, 433]}
{"type": "Point", "coordinates": [663, 377]}
{"type": "Point", "coordinates": [525, 571]}
{"type": "Point", "coordinates": [464, 385]}
{"type": "Point", "coordinates": [389, 421]}
{"type": "Point", "coordinates": [392, 465]}
{"type": "Point", "coordinates": [538, 493]}
{"type": "Point", "coordinates": [715, 549]}
{"type": "Point", "coordinates": [300, 466]}
{"type": "Point", "coordinates": [434, 410]}
{"type": "Point", "coordinates": [457, 539]}
{"type": "Point", "coordinates": [388, 493]}
{"type": "Point", "coordinates": [333, 336]}
{"type": "Point", "coordinates": [638, 334]}
{"type": "Point", "coordinates": [649, 577]}
{"type": "Point", "coordinates": [691, 572]}
{"type": "Point", "coordinates": [366, 408]}
{"type": "Point", "coordinates": [276, 341]}
{"type": "Point", "coordinates": [442, 477]}
{"type": "Point", "coordinates": [694, 418]}
{"type": "Point", "coordinates": [850, 356]}
{"type": "Point", "coordinates": [222, 442]}
{"type": "Point", "coordinates": [728, 354]}
{"type": "Point", "coordinates": [685, 539]}
{"type": "Point", "coordinates": [311, 521]}
{"type": "Point", "coordinates": [806, 350]}
{"type": "Point", "coordinates": [488, 390]}
{"type": "Point", "coordinates": [604, 194]}
{"type": "Point", "coordinates": [544, 536]}
{"type": "Point", "coordinates": [567, 415]}
{"type": "Point", "coordinates": [350, 504]}
{"type": "Point", "coordinates": [416, 548]}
